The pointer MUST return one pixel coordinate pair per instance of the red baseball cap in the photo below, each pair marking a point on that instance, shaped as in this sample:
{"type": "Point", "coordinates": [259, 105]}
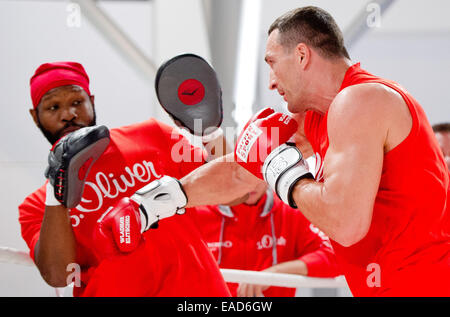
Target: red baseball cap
{"type": "Point", "coordinates": [52, 75]}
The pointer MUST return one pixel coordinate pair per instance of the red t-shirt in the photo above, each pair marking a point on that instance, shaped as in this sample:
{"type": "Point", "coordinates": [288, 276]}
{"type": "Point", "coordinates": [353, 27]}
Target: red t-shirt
{"type": "Point", "coordinates": [136, 155]}
{"type": "Point", "coordinates": [242, 237]}
{"type": "Point", "coordinates": [407, 249]}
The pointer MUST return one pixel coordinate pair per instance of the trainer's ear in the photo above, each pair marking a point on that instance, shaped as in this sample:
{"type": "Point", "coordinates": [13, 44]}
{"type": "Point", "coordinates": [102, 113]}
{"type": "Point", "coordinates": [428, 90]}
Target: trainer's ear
{"type": "Point", "coordinates": [92, 100]}
{"type": "Point", "coordinates": [33, 113]}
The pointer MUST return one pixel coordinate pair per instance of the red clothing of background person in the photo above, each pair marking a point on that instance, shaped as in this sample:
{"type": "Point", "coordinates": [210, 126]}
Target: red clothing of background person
{"type": "Point", "coordinates": [257, 237]}
{"type": "Point", "coordinates": [408, 245]}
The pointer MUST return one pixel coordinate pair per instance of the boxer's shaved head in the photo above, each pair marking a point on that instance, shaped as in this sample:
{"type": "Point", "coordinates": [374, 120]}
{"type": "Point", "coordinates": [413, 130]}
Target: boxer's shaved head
{"type": "Point", "coordinates": [313, 26]}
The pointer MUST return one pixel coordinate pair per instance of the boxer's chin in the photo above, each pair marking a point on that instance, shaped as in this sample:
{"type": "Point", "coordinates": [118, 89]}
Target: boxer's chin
{"type": "Point", "coordinates": [252, 198]}
{"type": "Point", "coordinates": [238, 201]}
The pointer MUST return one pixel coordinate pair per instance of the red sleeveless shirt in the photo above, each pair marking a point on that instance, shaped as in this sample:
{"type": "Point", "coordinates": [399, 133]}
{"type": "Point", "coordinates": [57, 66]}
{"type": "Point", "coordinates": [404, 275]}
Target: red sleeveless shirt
{"type": "Point", "coordinates": [407, 249]}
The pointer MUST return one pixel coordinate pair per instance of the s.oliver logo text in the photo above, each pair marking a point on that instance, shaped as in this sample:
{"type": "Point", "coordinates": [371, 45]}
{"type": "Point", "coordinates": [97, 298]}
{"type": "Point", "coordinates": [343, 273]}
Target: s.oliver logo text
{"type": "Point", "coordinates": [267, 242]}
{"type": "Point", "coordinates": [110, 186]}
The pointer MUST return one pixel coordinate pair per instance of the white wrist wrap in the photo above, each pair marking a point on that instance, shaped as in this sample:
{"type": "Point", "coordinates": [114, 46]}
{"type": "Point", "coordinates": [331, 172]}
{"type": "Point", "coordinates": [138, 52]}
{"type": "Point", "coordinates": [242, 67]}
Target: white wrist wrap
{"type": "Point", "coordinates": [160, 199]}
{"type": "Point", "coordinates": [282, 169]}
{"type": "Point", "coordinates": [50, 199]}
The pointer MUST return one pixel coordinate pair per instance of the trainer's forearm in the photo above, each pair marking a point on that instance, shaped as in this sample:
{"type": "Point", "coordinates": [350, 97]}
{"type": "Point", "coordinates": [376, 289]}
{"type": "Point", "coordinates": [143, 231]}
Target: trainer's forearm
{"type": "Point", "coordinates": [56, 247]}
{"type": "Point", "coordinates": [218, 182]}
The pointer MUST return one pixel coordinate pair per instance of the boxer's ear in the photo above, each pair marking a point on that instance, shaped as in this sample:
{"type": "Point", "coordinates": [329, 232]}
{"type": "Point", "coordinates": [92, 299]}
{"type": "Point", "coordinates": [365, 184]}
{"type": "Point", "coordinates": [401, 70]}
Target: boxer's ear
{"type": "Point", "coordinates": [303, 53]}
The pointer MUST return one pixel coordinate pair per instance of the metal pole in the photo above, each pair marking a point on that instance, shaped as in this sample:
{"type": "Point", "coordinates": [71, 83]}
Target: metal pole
{"type": "Point", "coordinates": [361, 25]}
{"type": "Point", "coordinates": [117, 38]}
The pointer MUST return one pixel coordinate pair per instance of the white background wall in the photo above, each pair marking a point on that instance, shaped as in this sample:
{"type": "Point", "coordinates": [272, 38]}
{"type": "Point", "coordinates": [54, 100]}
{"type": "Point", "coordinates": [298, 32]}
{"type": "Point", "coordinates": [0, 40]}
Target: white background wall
{"type": "Point", "coordinates": [412, 47]}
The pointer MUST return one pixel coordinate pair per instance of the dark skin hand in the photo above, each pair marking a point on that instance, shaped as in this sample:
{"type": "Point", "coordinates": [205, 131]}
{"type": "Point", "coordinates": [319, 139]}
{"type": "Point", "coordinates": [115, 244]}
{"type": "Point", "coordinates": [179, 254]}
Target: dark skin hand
{"type": "Point", "coordinates": [56, 247]}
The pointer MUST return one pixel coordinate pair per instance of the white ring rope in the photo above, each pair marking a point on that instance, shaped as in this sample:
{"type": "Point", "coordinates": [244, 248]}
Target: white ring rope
{"type": "Point", "coordinates": [13, 256]}
{"type": "Point", "coordinates": [283, 280]}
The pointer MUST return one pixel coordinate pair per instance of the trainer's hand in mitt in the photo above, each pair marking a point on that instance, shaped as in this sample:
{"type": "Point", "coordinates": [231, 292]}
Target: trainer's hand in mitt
{"type": "Point", "coordinates": [70, 161]}
{"type": "Point", "coordinates": [189, 91]}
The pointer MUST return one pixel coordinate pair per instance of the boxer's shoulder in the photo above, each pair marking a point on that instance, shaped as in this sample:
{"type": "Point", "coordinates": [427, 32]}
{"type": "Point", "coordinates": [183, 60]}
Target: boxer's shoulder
{"type": "Point", "coordinates": [373, 99]}
{"type": "Point", "coordinates": [371, 106]}
{"type": "Point", "coordinates": [368, 94]}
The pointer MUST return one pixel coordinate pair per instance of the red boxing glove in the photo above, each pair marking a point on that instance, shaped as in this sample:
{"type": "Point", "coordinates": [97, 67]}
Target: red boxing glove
{"type": "Point", "coordinates": [264, 132]}
{"type": "Point", "coordinates": [263, 149]}
{"type": "Point", "coordinates": [261, 114]}
{"type": "Point", "coordinates": [118, 230]}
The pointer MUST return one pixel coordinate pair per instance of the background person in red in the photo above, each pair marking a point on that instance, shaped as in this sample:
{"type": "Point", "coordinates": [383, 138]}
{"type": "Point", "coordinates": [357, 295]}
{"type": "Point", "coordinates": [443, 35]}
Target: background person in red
{"type": "Point", "coordinates": [136, 155]}
{"type": "Point", "coordinates": [442, 132]}
{"type": "Point", "coordinates": [258, 232]}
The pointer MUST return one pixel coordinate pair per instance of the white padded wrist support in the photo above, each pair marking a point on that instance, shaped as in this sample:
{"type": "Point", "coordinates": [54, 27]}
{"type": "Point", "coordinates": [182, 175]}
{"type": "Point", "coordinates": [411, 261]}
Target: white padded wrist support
{"type": "Point", "coordinates": [50, 199]}
{"type": "Point", "coordinates": [282, 169]}
{"type": "Point", "coordinates": [160, 199]}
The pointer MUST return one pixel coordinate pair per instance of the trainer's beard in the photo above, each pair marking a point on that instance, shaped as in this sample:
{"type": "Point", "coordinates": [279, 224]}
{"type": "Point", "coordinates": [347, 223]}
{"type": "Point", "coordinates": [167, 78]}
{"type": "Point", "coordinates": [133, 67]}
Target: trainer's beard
{"type": "Point", "coordinates": [53, 137]}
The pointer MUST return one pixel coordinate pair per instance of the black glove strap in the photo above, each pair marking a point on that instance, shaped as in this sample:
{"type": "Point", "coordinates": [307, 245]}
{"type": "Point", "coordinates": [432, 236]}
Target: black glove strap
{"type": "Point", "coordinates": [291, 188]}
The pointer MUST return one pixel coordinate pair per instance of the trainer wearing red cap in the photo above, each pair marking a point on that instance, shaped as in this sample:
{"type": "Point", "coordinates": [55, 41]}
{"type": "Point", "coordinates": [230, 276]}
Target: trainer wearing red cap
{"type": "Point", "coordinates": [54, 75]}
{"type": "Point", "coordinates": [171, 260]}
{"type": "Point", "coordinates": [49, 82]}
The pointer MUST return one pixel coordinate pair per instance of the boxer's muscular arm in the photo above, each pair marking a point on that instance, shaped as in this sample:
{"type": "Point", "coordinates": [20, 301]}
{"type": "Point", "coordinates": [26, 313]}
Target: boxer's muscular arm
{"type": "Point", "coordinates": [218, 182]}
{"type": "Point", "coordinates": [364, 122]}
{"type": "Point", "coordinates": [55, 249]}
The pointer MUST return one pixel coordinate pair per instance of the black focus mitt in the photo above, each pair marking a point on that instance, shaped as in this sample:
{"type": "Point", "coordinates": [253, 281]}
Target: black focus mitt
{"type": "Point", "coordinates": [71, 159]}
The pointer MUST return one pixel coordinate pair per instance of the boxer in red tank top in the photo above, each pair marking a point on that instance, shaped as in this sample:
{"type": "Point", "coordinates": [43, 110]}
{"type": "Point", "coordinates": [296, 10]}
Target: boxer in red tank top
{"type": "Point", "coordinates": [381, 184]}
{"type": "Point", "coordinates": [406, 240]}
